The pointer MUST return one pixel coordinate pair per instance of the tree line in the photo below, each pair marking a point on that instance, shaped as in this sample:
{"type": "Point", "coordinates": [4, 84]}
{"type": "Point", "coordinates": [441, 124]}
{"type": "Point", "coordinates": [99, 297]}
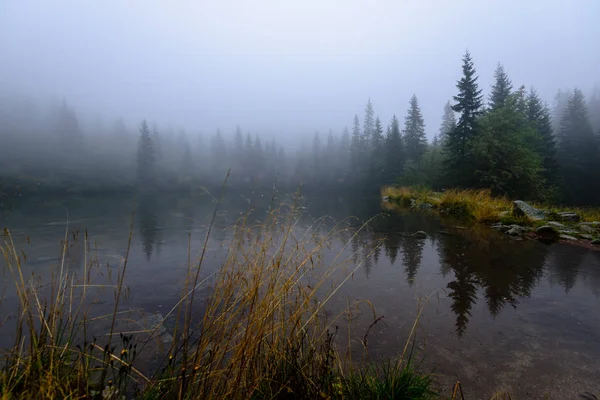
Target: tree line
{"type": "Point", "coordinates": [510, 141]}
{"type": "Point", "coordinates": [513, 144]}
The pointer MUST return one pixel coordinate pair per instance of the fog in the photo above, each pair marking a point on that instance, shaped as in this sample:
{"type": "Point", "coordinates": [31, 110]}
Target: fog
{"type": "Point", "coordinates": [282, 68]}
{"type": "Point", "coordinates": [120, 95]}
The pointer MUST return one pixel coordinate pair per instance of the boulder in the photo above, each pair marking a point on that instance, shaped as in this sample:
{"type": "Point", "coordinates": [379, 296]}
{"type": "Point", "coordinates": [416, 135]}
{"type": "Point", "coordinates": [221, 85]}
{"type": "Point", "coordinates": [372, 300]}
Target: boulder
{"type": "Point", "coordinates": [586, 228]}
{"type": "Point", "coordinates": [567, 237]}
{"type": "Point", "coordinates": [419, 235]}
{"type": "Point", "coordinates": [596, 242]}
{"type": "Point", "coordinates": [586, 236]}
{"type": "Point", "coordinates": [547, 231]}
{"type": "Point", "coordinates": [426, 206]}
{"type": "Point", "coordinates": [555, 224]}
{"type": "Point", "coordinates": [515, 230]}
{"type": "Point", "coordinates": [569, 216]}
{"type": "Point", "coordinates": [567, 232]}
{"type": "Point", "coordinates": [385, 198]}
{"type": "Point", "coordinates": [522, 209]}
{"type": "Point", "coordinates": [501, 228]}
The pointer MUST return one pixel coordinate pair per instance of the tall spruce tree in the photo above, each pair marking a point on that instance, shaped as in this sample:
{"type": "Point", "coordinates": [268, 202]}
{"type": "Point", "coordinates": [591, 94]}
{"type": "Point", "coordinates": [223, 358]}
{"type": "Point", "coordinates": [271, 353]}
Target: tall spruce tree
{"type": "Point", "coordinates": [594, 109]}
{"type": "Point", "coordinates": [538, 114]}
{"type": "Point", "coordinates": [343, 156]}
{"type": "Point", "coordinates": [504, 153]}
{"type": "Point", "coordinates": [578, 153]}
{"type": "Point", "coordinates": [448, 123]}
{"type": "Point", "coordinates": [67, 129]}
{"type": "Point", "coordinates": [415, 141]}
{"type": "Point", "coordinates": [394, 152]}
{"type": "Point", "coordinates": [501, 89]}
{"type": "Point", "coordinates": [468, 103]}
{"type": "Point", "coordinates": [561, 99]}
{"type": "Point", "coordinates": [368, 125]}
{"type": "Point", "coordinates": [316, 164]}
{"type": "Point", "coordinates": [146, 158]}
{"type": "Point", "coordinates": [356, 151]}
{"type": "Point", "coordinates": [377, 154]}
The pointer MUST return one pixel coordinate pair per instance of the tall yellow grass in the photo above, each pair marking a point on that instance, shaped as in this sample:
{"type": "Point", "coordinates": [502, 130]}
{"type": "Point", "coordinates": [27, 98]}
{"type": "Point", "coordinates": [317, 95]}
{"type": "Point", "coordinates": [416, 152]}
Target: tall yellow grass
{"type": "Point", "coordinates": [262, 332]}
{"type": "Point", "coordinates": [470, 203]}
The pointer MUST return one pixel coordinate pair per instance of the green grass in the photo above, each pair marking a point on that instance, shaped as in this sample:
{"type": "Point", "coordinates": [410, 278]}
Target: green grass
{"type": "Point", "coordinates": [388, 381]}
{"type": "Point", "coordinates": [263, 333]}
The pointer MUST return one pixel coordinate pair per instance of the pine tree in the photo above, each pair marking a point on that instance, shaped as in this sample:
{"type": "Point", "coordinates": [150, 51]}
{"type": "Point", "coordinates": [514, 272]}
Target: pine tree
{"type": "Point", "coordinates": [377, 139]}
{"type": "Point", "coordinates": [218, 152]}
{"type": "Point", "coordinates": [504, 153]}
{"type": "Point", "coordinates": [158, 154]}
{"type": "Point", "coordinates": [594, 109]}
{"type": "Point", "coordinates": [432, 165]}
{"type": "Point", "coordinates": [459, 140]}
{"type": "Point", "coordinates": [68, 130]}
{"type": "Point", "coordinates": [538, 114]}
{"type": "Point", "coordinates": [578, 153]}
{"type": "Point", "coordinates": [343, 157]}
{"type": "Point", "coordinates": [377, 155]}
{"type": "Point", "coordinates": [415, 141]}
{"type": "Point", "coordinates": [394, 152]}
{"type": "Point", "coordinates": [356, 152]}
{"type": "Point", "coordinates": [145, 158]}
{"type": "Point", "coordinates": [356, 144]}
{"type": "Point", "coordinates": [501, 89]}
{"type": "Point", "coordinates": [561, 99]}
{"type": "Point", "coordinates": [448, 123]}
{"type": "Point", "coordinates": [316, 159]}
{"type": "Point", "coordinates": [368, 125]}
{"type": "Point", "coordinates": [238, 143]}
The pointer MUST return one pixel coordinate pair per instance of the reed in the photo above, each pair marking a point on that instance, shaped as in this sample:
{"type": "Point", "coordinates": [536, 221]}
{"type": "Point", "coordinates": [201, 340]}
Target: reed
{"type": "Point", "coordinates": [261, 333]}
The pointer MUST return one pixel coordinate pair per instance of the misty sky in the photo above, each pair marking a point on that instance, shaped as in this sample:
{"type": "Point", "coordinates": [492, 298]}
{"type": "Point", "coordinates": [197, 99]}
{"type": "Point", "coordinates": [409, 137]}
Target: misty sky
{"type": "Point", "coordinates": [284, 67]}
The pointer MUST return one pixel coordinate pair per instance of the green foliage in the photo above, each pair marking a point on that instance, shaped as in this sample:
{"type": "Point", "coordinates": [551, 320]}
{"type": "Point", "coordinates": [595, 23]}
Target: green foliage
{"type": "Point", "coordinates": [504, 159]}
{"type": "Point", "coordinates": [468, 103]}
{"type": "Point", "coordinates": [448, 123]}
{"type": "Point", "coordinates": [388, 381]}
{"type": "Point", "coordinates": [368, 124]}
{"type": "Point", "coordinates": [538, 116]}
{"type": "Point", "coordinates": [394, 151]}
{"type": "Point", "coordinates": [578, 152]}
{"type": "Point", "coordinates": [146, 158]}
{"type": "Point", "coordinates": [415, 142]}
{"type": "Point", "coordinates": [501, 89]}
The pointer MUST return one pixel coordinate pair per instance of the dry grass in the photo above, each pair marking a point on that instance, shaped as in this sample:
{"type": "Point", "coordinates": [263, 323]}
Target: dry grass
{"type": "Point", "coordinates": [478, 205]}
{"type": "Point", "coordinates": [262, 333]}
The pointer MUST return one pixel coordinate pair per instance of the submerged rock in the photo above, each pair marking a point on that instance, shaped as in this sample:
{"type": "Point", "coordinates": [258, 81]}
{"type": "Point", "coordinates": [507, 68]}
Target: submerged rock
{"type": "Point", "coordinates": [547, 231]}
{"type": "Point", "coordinates": [569, 216]}
{"type": "Point", "coordinates": [567, 237]}
{"type": "Point", "coordinates": [523, 209]}
{"type": "Point", "coordinates": [419, 235]}
{"type": "Point", "coordinates": [500, 227]}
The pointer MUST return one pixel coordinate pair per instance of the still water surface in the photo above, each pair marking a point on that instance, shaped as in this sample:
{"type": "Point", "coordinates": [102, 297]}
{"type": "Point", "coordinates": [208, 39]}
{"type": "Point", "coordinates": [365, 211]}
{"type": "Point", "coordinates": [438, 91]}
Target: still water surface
{"type": "Point", "coordinates": [502, 314]}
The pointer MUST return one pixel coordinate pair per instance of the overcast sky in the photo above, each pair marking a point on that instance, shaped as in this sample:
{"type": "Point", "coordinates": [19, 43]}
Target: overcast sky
{"type": "Point", "coordinates": [287, 66]}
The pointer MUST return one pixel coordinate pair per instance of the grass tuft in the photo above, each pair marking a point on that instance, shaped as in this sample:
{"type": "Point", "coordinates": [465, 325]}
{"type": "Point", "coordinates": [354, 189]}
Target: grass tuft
{"type": "Point", "coordinates": [262, 332]}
